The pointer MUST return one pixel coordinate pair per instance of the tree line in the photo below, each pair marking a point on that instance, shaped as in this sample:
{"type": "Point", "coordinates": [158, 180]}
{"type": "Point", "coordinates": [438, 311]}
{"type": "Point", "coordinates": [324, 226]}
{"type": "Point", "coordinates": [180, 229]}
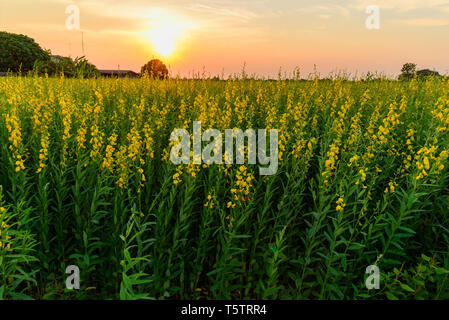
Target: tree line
{"type": "Point", "coordinates": [409, 71]}
{"type": "Point", "coordinates": [20, 54]}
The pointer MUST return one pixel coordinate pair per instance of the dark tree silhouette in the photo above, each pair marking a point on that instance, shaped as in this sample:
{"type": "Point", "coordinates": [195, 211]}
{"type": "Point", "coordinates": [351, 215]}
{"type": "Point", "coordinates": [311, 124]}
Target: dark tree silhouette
{"type": "Point", "coordinates": [155, 68]}
{"type": "Point", "coordinates": [19, 52]}
{"type": "Point", "coordinates": [427, 73]}
{"type": "Point", "coordinates": [408, 70]}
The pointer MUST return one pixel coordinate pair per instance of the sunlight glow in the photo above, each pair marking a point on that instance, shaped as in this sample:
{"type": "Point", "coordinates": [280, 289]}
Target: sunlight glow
{"type": "Point", "coordinates": [166, 35]}
{"type": "Point", "coordinates": [164, 39]}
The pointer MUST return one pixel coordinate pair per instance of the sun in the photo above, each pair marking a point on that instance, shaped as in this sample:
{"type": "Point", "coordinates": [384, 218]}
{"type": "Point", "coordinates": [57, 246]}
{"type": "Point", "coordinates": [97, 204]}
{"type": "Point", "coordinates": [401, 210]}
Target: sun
{"type": "Point", "coordinates": [164, 39]}
{"type": "Point", "coordinates": [167, 35]}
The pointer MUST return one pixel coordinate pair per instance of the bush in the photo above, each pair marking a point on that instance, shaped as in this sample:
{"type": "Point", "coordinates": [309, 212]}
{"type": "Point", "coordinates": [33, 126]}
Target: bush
{"type": "Point", "coordinates": [79, 68]}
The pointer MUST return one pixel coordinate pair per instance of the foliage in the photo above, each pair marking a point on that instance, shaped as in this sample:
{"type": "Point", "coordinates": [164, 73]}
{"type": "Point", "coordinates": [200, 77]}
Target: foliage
{"type": "Point", "coordinates": [408, 70]}
{"type": "Point", "coordinates": [155, 68]}
{"type": "Point", "coordinates": [18, 53]}
{"type": "Point", "coordinates": [427, 73]}
{"type": "Point", "coordinates": [79, 68]}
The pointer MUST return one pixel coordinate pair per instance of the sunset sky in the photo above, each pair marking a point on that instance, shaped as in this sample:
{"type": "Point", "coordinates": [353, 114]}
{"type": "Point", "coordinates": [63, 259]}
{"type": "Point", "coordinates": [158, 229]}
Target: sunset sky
{"type": "Point", "coordinates": [221, 35]}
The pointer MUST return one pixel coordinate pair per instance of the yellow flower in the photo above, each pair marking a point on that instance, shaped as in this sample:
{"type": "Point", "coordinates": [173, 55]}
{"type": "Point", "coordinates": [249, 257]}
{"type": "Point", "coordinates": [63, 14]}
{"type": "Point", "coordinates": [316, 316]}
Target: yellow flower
{"type": "Point", "coordinates": [230, 204]}
{"type": "Point", "coordinates": [340, 204]}
{"type": "Point", "coordinates": [426, 163]}
{"type": "Point", "coordinates": [3, 229]}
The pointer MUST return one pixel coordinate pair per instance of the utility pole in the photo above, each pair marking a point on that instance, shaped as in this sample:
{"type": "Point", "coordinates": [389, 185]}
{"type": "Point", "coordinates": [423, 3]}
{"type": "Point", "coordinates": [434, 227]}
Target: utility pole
{"type": "Point", "coordinates": [82, 42]}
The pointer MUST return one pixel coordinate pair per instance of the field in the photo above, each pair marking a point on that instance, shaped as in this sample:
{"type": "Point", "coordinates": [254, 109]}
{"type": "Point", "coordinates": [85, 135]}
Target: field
{"type": "Point", "coordinates": [87, 180]}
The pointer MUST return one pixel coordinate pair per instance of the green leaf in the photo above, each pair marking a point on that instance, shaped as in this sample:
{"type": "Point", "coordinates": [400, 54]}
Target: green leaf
{"type": "Point", "coordinates": [406, 288]}
{"type": "Point", "coordinates": [391, 296]}
{"type": "Point", "coordinates": [425, 258]}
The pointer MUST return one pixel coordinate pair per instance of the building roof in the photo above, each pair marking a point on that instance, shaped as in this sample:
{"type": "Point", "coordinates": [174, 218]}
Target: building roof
{"type": "Point", "coordinates": [117, 71]}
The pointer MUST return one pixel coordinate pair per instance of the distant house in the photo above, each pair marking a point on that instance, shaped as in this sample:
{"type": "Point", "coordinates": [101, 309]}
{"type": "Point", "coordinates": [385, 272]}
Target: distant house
{"type": "Point", "coordinates": [119, 74]}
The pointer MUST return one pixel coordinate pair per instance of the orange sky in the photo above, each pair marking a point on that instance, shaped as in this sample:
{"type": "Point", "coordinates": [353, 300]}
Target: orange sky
{"type": "Point", "coordinates": [218, 35]}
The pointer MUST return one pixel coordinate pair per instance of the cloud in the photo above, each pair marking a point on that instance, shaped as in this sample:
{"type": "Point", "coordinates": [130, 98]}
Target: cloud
{"type": "Point", "coordinates": [239, 13]}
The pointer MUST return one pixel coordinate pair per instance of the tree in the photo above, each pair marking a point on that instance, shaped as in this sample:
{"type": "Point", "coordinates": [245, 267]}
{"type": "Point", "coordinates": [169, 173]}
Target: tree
{"type": "Point", "coordinates": [408, 70]}
{"type": "Point", "coordinates": [19, 53]}
{"type": "Point", "coordinates": [155, 68]}
{"type": "Point", "coordinates": [427, 73]}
